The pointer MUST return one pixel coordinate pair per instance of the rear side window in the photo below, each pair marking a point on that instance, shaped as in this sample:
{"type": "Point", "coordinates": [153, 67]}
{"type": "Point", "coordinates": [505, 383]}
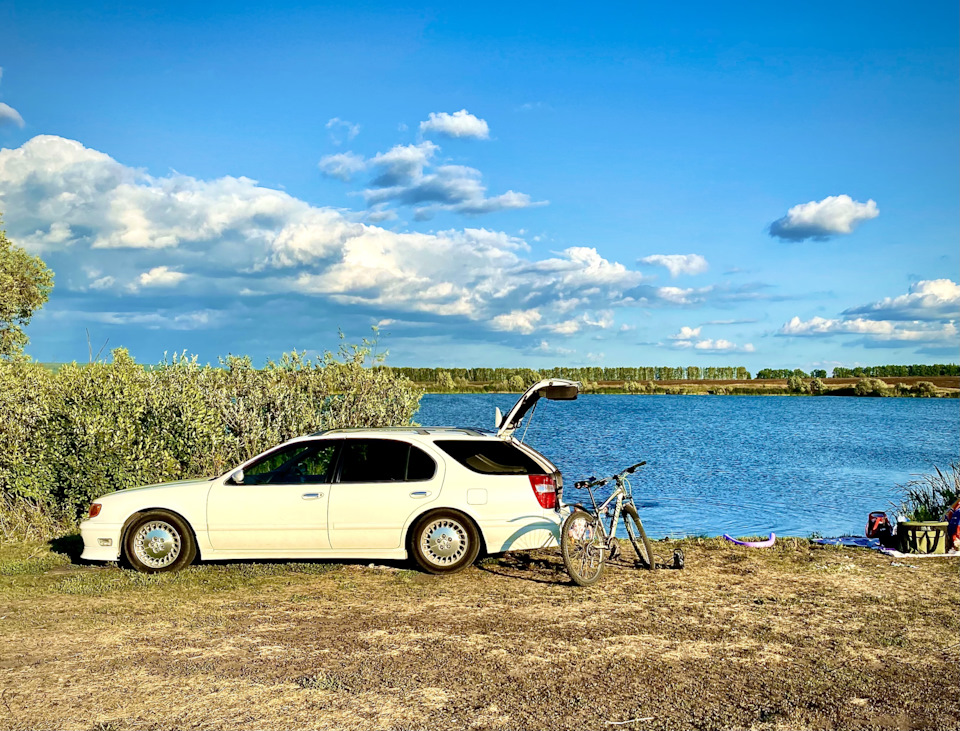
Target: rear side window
{"type": "Point", "coordinates": [384, 460]}
{"type": "Point", "coordinates": [489, 457]}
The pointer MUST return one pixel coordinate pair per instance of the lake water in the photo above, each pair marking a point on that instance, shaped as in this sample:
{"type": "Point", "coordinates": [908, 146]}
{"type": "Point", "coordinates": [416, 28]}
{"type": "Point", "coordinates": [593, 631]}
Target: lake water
{"type": "Point", "coordinates": [744, 465]}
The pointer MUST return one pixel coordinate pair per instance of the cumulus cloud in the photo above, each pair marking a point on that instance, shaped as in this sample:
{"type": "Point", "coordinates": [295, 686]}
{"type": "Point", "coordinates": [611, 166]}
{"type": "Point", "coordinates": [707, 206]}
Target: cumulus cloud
{"type": "Point", "coordinates": [232, 236]}
{"type": "Point", "coordinates": [161, 276]}
{"type": "Point", "coordinates": [687, 333]}
{"type": "Point", "coordinates": [458, 124]}
{"type": "Point", "coordinates": [933, 299]}
{"type": "Point", "coordinates": [407, 175]}
{"type": "Point", "coordinates": [678, 263]}
{"type": "Point", "coordinates": [926, 314]}
{"type": "Point", "coordinates": [819, 220]}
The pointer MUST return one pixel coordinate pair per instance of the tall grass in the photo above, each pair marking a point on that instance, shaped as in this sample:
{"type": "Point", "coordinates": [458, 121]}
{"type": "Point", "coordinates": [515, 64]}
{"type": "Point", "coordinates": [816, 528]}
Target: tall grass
{"type": "Point", "coordinates": [927, 497]}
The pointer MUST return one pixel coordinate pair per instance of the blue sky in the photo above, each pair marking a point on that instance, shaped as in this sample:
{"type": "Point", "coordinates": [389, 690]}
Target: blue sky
{"type": "Point", "coordinates": [524, 184]}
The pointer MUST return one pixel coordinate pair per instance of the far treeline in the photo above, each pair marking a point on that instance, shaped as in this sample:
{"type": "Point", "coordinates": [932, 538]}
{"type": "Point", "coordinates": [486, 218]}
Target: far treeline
{"type": "Point", "coordinates": [889, 371]}
{"type": "Point", "coordinates": [463, 376]}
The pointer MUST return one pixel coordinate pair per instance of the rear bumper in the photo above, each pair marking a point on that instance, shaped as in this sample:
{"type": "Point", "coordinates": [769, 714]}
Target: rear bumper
{"type": "Point", "coordinates": [527, 532]}
{"type": "Point", "coordinates": [94, 534]}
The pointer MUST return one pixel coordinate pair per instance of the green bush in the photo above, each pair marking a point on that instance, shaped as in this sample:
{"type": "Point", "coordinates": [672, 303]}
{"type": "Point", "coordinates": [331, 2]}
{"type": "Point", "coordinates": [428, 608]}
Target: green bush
{"type": "Point", "coordinates": [870, 387]}
{"type": "Point", "coordinates": [68, 437]}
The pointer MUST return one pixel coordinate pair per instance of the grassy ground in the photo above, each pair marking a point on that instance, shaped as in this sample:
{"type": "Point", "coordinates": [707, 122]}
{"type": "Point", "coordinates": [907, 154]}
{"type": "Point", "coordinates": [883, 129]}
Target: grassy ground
{"type": "Point", "coordinates": [799, 636]}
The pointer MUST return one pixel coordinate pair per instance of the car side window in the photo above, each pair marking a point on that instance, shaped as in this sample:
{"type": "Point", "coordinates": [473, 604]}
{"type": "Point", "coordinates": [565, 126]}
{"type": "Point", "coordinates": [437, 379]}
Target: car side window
{"type": "Point", "coordinates": [300, 463]}
{"type": "Point", "coordinates": [384, 460]}
{"type": "Point", "coordinates": [490, 457]}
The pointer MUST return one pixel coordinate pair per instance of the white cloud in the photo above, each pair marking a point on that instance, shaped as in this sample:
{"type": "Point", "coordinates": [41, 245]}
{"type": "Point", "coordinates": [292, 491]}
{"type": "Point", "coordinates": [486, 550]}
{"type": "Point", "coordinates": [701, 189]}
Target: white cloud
{"type": "Point", "coordinates": [819, 220]}
{"type": "Point", "coordinates": [879, 330]}
{"type": "Point", "coordinates": [458, 124]}
{"type": "Point", "coordinates": [341, 130]}
{"type": "Point", "coordinates": [517, 321]}
{"type": "Point", "coordinates": [161, 277]}
{"type": "Point", "coordinates": [343, 165]}
{"type": "Point", "coordinates": [928, 313]}
{"type": "Point", "coordinates": [103, 282]}
{"type": "Point", "coordinates": [687, 333]}
{"type": "Point", "coordinates": [230, 236]}
{"type": "Point", "coordinates": [9, 115]}
{"type": "Point", "coordinates": [933, 299]}
{"type": "Point", "coordinates": [406, 175]}
{"type": "Point", "coordinates": [678, 263]}
{"type": "Point", "coordinates": [681, 296]}
{"type": "Point", "coordinates": [722, 346]}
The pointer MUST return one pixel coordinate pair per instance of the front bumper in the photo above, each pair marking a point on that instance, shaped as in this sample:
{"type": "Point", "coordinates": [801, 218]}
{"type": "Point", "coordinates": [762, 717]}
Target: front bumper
{"type": "Point", "coordinates": [95, 534]}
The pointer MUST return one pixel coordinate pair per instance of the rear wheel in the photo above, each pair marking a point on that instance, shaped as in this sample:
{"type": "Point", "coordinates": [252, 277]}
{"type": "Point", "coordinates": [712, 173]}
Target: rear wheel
{"type": "Point", "coordinates": [159, 541]}
{"type": "Point", "coordinates": [638, 536]}
{"type": "Point", "coordinates": [582, 545]}
{"type": "Point", "coordinates": [444, 542]}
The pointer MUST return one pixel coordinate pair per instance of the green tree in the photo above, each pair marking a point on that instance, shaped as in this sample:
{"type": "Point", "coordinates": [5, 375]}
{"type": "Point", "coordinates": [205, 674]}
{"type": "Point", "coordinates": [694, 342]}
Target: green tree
{"type": "Point", "coordinates": [25, 284]}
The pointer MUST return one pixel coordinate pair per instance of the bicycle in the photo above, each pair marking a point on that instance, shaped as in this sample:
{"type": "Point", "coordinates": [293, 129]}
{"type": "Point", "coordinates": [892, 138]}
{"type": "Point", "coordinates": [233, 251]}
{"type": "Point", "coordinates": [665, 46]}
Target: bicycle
{"type": "Point", "coordinates": [584, 540]}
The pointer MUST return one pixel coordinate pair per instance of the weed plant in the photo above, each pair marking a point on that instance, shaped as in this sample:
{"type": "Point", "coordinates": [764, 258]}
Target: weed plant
{"type": "Point", "coordinates": [928, 496]}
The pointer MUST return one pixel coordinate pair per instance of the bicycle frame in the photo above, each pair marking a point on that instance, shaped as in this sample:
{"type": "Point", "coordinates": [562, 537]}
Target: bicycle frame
{"type": "Point", "coordinates": [620, 494]}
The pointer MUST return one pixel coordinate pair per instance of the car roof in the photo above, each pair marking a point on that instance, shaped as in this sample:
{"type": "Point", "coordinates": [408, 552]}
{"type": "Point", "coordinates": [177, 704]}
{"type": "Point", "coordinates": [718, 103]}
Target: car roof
{"type": "Point", "coordinates": [420, 431]}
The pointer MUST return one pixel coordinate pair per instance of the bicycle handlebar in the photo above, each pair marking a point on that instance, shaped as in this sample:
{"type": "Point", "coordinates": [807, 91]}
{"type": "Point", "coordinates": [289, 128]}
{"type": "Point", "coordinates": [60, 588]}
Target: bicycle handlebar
{"type": "Point", "coordinates": [594, 482]}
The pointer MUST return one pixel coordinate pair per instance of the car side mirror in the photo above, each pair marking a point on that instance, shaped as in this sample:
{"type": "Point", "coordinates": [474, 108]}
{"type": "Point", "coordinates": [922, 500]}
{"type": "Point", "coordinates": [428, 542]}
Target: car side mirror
{"type": "Point", "coordinates": [237, 477]}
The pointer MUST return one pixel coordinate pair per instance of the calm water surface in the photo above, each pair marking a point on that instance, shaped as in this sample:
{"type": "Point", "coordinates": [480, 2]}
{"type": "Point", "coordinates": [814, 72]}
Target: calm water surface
{"type": "Point", "coordinates": [744, 465]}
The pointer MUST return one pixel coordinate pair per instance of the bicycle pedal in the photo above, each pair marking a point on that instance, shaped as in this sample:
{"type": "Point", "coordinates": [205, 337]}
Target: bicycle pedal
{"type": "Point", "coordinates": [677, 559]}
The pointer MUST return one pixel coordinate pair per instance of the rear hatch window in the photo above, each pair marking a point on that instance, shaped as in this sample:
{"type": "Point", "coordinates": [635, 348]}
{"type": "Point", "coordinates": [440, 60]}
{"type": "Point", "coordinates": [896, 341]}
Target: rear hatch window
{"type": "Point", "coordinates": [489, 457]}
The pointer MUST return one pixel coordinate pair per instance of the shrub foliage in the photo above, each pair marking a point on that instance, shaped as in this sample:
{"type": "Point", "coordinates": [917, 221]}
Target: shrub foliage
{"type": "Point", "coordinates": [70, 436]}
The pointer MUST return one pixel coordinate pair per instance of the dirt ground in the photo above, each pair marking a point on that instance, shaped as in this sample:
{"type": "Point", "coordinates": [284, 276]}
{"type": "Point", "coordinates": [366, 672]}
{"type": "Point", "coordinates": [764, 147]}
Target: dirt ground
{"type": "Point", "coordinates": [798, 636]}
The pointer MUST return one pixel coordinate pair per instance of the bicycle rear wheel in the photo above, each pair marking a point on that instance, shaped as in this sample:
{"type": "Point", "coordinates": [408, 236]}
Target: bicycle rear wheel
{"type": "Point", "coordinates": [582, 545]}
{"type": "Point", "coordinates": [638, 536]}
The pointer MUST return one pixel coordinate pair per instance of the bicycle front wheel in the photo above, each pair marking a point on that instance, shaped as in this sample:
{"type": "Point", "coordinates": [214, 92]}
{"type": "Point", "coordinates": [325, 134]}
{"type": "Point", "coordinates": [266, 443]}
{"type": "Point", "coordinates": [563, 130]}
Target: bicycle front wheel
{"type": "Point", "coordinates": [638, 536]}
{"type": "Point", "coordinates": [582, 545]}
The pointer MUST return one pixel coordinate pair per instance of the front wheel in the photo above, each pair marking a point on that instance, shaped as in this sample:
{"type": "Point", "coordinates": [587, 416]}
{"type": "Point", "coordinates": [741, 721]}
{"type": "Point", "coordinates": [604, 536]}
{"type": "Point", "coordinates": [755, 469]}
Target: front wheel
{"type": "Point", "coordinates": [582, 545]}
{"type": "Point", "coordinates": [444, 542]}
{"type": "Point", "coordinates": [638, 536]}
{"type": "Point", "coordinates": [159, 541]}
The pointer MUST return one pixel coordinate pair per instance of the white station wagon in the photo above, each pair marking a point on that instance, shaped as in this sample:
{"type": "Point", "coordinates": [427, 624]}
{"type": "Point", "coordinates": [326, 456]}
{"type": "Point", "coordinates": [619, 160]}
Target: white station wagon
{"type": "Point", "coordinates": [438, 495]}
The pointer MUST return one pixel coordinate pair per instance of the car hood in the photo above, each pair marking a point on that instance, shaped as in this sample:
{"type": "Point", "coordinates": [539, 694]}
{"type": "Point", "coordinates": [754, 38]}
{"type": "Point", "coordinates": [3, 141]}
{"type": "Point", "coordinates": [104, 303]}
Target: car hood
{"type": "Point", "coordinates": [161, 486]}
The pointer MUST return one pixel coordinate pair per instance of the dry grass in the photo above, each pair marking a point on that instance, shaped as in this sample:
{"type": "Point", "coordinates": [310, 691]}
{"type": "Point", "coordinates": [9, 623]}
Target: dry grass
{"type": "Point", "coordinates": [799, 636]}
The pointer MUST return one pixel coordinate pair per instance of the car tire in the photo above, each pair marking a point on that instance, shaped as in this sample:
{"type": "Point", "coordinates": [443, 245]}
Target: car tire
{"type": "Point", "coordinates": [638, 536]}
{"type": "Point", "coordinates": [444, 542]}
{"type": "Point", "coordinates": [158, 541]}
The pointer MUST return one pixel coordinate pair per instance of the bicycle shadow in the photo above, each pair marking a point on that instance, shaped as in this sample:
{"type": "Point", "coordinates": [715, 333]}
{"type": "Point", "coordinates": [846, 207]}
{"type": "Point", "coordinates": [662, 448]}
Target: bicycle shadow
{"type": "Point", "coordinates": [524, 566]}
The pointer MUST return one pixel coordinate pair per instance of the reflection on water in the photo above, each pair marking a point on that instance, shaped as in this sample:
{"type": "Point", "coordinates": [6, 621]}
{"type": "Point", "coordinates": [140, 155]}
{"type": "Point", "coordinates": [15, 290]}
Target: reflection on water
{"type": "Point", "coordinates": [744, 465]}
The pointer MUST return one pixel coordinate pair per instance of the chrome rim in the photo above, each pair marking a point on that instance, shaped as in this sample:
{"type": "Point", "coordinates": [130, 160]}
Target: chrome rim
{"type": "Point", "coordinates": [157, 544]}
{"type": "Point", "coordinates": [443, 542]}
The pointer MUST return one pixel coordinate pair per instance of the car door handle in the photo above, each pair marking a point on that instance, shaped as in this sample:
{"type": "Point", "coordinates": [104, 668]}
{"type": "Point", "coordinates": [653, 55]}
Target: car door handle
{"type": "Point", "coordinates": [311, 495]}
{"type": "Point", "coordinates": [420, 493]}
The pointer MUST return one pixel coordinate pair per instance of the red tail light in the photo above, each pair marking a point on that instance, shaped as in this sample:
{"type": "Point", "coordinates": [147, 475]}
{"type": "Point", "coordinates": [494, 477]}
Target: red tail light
{"type": "Point", "coordinates": [545, 489]}
{"type": "Point", "coordinates": [95, 510]}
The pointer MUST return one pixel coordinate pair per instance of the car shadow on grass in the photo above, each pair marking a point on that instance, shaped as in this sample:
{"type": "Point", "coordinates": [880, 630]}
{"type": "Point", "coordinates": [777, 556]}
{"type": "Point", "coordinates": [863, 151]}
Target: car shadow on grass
{"type": "Point", "coordinates": [70, 546]}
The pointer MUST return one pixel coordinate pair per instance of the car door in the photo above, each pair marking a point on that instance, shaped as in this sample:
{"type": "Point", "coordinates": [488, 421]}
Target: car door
{"type": "Point", "coordinates": [281, 504]}
{"type": "Point", "coordinates": [380, 484]}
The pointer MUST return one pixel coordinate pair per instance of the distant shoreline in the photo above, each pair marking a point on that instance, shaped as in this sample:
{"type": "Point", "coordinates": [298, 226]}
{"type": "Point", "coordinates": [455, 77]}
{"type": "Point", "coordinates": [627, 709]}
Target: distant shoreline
{"type": "Point", "coordinates": [899, 386]}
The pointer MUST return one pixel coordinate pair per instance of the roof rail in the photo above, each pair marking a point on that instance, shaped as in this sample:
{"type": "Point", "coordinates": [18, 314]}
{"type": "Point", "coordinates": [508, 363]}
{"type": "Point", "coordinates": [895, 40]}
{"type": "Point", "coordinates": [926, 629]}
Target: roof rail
{"type": "Point", "coordinates": [419, 430]}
